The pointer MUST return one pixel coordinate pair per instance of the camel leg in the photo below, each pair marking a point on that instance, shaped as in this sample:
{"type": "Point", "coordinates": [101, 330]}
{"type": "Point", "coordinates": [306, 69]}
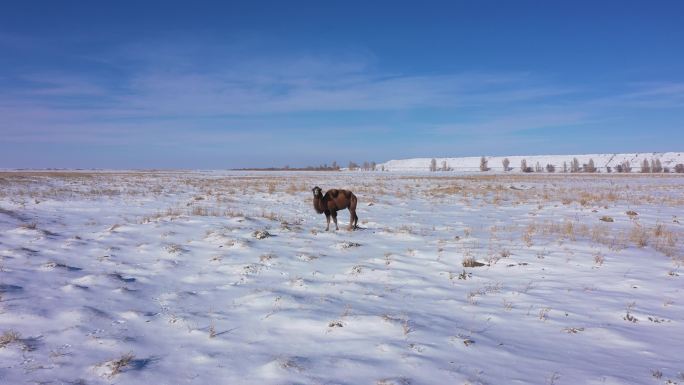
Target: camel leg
{"type": "Point", "coordinates": [327, 221]}
{"type": "Point", "coordinates": [334, 216]}
{"type": "Point", "coordinates": [353, 220]}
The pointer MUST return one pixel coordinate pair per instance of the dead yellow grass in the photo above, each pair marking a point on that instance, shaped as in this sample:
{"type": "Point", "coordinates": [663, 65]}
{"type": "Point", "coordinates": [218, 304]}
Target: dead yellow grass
{"type": "Point", "coordinates": [117, 365]}
{"type": "Point", "coordinates": [9, 337]}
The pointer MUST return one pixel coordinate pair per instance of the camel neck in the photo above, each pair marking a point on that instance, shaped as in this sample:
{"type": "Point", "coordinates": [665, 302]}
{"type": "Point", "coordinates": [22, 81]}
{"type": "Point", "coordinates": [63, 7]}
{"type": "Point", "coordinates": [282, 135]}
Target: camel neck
{"type": "Point", "coordinates": [318, 206]}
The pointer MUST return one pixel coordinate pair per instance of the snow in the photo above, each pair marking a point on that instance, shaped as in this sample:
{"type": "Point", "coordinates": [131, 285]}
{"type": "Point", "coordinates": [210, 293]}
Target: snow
{"type": "Point", "coordinates": [668, 159]}
{"type": "Point", "coordinates": [170, 278]}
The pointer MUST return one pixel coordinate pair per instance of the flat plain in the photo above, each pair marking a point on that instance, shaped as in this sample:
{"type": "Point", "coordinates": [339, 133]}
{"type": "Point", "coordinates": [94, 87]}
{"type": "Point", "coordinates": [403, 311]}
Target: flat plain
{"type": "Point", "coordinates": [218, 277]}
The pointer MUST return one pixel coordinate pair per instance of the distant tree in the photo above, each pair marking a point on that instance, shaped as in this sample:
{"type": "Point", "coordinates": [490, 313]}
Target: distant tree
{"type": "Point", "coordinates": [574, 166]}
{"type": "Point", "coordinates": [483, 164]}
{"type": "Point", "coordinates": [433, 165]}
{"type": "Point", "coordinates": [645, 166]}
{"type": "Point", "coordinates": [373, 165]}
{"type": "Point", "coordinates": [590, 167]}
{"type": "Point", "coordinates": [538, 167]}
{"type": "Point", "coordinates": [505, 163]}
{"type": "Point", "coordinates": [353, 166]}
{"type": "Point", "coordinates": [445, 166]}
{"type": "Point", "coordinates": [565, 166]}
{"type": "Point", "coordinates": [335, 166]}
{"type": "Point", "coordinates": [626, 166]}
{"type": "Point", "coordinates": [382, 168]}
{"type": "Point", "coordinates": [523, 165]}
{"type": "Point", "coordinates": [550, 168]}
{"type": "Point", "coordinates": [608, 169]}
{"type": "Point", "coordinates": [618, 168]}
{"type": "Point", "coordinates": [679, 168]}
{"type": "Point", "coordinates": [656, 166]}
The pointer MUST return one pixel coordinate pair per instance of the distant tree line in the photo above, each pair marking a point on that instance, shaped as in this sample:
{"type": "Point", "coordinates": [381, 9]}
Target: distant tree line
{"type": "Point", "coordinates": [652, 166]}
{"type": "Point", "coordinates": [322, 167]}
{"type": "Point", "coordinates": [365, 166]}
{"type": "Point", "coordinates": [444, 166]}
{"type": "Point", "coordinates": [573, 166]}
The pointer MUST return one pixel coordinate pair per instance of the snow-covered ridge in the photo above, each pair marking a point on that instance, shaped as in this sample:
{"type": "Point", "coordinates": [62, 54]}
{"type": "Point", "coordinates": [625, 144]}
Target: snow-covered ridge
{"type": "Point", "coordinates": [601, 161]}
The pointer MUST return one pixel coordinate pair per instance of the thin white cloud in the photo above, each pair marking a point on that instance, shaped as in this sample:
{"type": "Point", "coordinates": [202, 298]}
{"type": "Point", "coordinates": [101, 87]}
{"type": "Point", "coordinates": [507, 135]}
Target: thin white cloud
{"type": "Point", "coordinates": [516, 122]}
{"type": "Point", "coordinates": [652, 95]}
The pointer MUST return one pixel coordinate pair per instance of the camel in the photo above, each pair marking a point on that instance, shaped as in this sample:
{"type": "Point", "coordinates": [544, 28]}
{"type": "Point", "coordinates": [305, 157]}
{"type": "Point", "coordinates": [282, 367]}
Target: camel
{"type": "Point", "coordinates": [333, 201]}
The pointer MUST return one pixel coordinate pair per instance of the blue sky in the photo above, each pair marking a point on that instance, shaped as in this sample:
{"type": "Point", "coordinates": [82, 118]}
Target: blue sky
{"type": "Point", "coordinates": [160, 84]}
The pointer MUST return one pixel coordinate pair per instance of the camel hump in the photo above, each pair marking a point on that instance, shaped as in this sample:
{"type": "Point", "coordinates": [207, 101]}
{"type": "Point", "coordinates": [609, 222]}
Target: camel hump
{"type": "Point", "coordinates": [348, 194]}
{"type": "Point", "coordinates": [334, 193]}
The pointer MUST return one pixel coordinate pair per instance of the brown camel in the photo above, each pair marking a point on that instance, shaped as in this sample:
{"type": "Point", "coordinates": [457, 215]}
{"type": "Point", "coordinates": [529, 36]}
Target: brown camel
{"type": "Point", "coordinates": [333, 201]}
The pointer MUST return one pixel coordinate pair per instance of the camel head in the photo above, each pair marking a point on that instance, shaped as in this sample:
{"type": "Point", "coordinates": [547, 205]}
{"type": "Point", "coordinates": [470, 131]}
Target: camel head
{"type": "Point", "coordinates": [317, 192]}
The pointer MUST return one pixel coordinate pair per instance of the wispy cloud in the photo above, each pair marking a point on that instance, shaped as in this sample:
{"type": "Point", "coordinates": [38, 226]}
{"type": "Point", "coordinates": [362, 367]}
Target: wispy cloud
{"type": "Point", "coordinates": [651, 95]}
{"type": "Point", "coordinates": [177, 82]}
{"type": "Point", "coordinates": [519, 121]}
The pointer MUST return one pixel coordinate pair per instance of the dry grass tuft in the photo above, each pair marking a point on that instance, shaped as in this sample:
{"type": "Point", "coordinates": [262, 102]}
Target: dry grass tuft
{"type": "Point", "coordinates": [29, 226]}
{"type": "Point", "coordinates": [471, 262]}
{"type": "Point", "coordinates": [544, 313]}
{"type": "Point", "coordinates": [199, 211]}
{"type": "Point", "coordinates": [639, 236]}
{"type": "Point", "coordinates": [174, 248]}
{"type": "Point", "coordinates": [8, 337]}
{"type": "Point", "coordinates": [270, 215]}
{"type": "Point", "coordinates": [527, 238]}
{"type": "Point", "coordinates": [599, 259]}
{"type": "Point", "coordinates": [629, 316]}
{"type": "Point", "coordinates": [406, 326]}
{"type": "Point", "coordinates": [487, 289]}
{"type": "Point", "coordinates": [261, 234]}
{"type": "Point", "coordinates": [335, 324]}
{"type": "Point", "coordinates": [116, 366]}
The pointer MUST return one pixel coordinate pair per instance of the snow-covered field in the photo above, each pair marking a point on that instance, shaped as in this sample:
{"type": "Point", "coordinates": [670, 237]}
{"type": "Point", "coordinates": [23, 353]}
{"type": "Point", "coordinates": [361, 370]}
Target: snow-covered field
{"type": "Point", "coordinates": [171, 278]}
{"type": "Point", "coordinates": [601, 161]}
